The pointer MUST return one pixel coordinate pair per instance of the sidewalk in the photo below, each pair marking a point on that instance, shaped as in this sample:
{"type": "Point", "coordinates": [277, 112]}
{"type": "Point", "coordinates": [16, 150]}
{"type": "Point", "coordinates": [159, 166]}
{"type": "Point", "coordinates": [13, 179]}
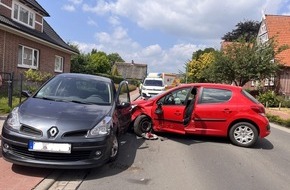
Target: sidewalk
{"type": "Point", "coordinates": [134, 94]}
{"type": "Point", "coordinates": [13, 177]}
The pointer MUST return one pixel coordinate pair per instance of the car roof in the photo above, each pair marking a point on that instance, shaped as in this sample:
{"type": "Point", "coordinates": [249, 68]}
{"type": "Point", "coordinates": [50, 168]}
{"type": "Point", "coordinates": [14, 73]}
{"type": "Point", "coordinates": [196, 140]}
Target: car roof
{"type": "Point", "coordinates": [218, 85]}
{"type": "Point", "coordinates": [156, 78]}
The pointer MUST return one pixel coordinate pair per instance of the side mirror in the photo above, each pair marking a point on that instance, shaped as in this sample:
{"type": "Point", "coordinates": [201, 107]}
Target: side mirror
{"type": "Point", "coordinates": [124, 105]}
{"type": "Point", "coordinates": [159, 110]}
{"type": "Point", "coordinates": [26, 93]}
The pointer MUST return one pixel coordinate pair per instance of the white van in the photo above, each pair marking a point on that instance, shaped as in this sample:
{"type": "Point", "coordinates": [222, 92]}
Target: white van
{"type": "Point", "coordinates": [152, 87]}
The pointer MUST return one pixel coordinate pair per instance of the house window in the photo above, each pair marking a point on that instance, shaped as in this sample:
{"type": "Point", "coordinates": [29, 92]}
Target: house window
{"type": "Point", "coordinates": [28, 57]}
{"type": "Point", "coordinates": [58, 64]}
{"type": "Point", "coordinates": [269, 82]}
{"type": "Point", "coordinates": [23, 15]}
{"type": "Point", "coordinates": [266, 82]}
{"type": "Point", "coordinates": [263, 38]}
{"type": "Point", "coordinates": [252, 83]}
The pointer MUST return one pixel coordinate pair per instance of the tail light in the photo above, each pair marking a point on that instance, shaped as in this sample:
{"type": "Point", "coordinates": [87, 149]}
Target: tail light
{"type": "Point", "coordinates": [259, 109]}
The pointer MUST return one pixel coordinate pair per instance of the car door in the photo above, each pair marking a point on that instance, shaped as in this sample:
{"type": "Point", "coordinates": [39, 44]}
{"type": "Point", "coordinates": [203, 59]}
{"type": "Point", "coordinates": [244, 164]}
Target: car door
{"type": "Point", "coordinates": [213, 110]}
{"type": "Point", "coordinates": [170, 113]}
{"type": "Point", "coordinates": [123, 106]}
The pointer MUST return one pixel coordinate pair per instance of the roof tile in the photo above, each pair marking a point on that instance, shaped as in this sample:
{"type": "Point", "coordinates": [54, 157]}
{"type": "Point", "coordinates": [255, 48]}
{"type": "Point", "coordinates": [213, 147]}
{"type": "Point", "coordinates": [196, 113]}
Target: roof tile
{"type": "Point", "coordinates": [278, 26]}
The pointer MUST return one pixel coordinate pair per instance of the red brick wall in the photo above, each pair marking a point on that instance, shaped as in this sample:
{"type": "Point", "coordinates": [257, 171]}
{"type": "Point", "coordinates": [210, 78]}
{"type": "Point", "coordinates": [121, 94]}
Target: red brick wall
{"type": "Point", "coordinates": [46, 55]}
{"type": "Point", "coordinates": [7, 2]}
{"type": "Point", "coordinates": [4, 10]}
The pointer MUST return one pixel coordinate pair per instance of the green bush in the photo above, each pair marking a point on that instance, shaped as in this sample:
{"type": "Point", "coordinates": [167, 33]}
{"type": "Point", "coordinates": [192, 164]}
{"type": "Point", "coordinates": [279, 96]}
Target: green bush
{"type": "Point", "coordinates": [276, 119]}
{"type": "Point", "coordinates": [284, 102]}
{"type": "Point", "coordinates": [4, 108]}
{"type": "Point", "coordinates": [287, 123]}
{"type": "Point", "coordinates": [36, 76]}
{"type": "Point", "coordinates": [268, 98]}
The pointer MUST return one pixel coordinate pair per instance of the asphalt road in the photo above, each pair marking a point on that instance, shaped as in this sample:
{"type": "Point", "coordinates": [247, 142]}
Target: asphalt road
{"type": "Point", "coordinates": [187, 162]}
{"type": "Point", "coordinates": [174, 162]}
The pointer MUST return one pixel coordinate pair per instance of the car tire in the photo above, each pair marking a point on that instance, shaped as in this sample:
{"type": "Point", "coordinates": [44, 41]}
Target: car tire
{"type": "Point", "coordinates": [114, 148]}
{"type": "Point", "coordinates": [243, 134]}
{"type": "Point", "coordinates": [142, 124]}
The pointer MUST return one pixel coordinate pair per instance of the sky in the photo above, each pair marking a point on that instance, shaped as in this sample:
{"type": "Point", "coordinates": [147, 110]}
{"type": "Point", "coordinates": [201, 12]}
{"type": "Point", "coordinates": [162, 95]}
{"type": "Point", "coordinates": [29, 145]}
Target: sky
{"type": "Point", "coordinates": [160, 33]}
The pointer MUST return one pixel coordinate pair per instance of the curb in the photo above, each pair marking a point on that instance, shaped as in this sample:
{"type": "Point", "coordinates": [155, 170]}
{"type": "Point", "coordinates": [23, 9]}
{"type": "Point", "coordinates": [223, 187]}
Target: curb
{"type": "Point", "coordinates": [48, 181]}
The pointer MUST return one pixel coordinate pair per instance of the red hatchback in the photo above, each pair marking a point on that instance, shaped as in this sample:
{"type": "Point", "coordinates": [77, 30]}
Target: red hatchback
{"type": "Point", "coordinates": [203, 109]}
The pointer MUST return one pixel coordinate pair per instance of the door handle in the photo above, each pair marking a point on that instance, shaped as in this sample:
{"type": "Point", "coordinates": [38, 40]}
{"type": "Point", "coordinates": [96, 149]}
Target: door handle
{"type": "Point", "coordinates": [227, 110]}
{"type": "Point", "coordinates": [177, 113]}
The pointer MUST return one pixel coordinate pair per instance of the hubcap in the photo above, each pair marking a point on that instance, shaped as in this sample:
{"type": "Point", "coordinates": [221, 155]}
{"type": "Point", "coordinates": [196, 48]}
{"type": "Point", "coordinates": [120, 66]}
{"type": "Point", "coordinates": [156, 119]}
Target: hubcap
{"type": "Point", "coordinates": [146, 126]}
{"type": "Point", "coordinates": [244, 134]}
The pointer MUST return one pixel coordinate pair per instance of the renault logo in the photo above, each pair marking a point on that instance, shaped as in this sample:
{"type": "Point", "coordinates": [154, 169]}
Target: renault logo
{"type": "Point", "coordinates": [53, 131]}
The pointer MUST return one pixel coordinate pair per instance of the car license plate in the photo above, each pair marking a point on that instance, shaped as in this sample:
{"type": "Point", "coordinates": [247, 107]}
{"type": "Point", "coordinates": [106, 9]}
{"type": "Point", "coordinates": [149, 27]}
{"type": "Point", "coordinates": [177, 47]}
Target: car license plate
{"type": "Point", "coordinates": [49, 147]}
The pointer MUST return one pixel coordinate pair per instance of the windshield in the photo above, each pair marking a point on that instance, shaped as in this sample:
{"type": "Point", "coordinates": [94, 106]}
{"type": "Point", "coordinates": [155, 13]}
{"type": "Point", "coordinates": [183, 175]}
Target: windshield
{"type": "Point", "coordinates": [76, 89]}
{"type": "Point", "coordinates": [153, 82]}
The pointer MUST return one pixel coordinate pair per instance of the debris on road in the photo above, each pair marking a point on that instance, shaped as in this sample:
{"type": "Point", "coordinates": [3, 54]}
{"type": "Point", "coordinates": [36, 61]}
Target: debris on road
{"type": "Point", "coordinates": [149, 136]}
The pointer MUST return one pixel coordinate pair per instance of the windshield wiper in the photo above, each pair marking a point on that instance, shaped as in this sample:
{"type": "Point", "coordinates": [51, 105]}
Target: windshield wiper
{"type": "Point", "coordinates": [45, 98]}
{"type": "Point", "coordinates": [80, 102]}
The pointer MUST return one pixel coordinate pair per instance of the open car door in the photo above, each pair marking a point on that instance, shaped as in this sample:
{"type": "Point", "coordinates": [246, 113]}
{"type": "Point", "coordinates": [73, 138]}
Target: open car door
{"type": "Point", "coordinates": [172, 109]}
{"type": "Point", "coordinates": [123, 104]}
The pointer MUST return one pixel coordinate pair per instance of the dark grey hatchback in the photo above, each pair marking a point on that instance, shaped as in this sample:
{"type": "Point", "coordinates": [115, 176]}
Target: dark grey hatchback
{"type": "Point", "coordinates": [72, 121]}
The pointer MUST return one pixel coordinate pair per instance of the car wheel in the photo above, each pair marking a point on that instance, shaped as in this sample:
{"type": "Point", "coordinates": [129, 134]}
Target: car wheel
{"type": "Point", "coordinates": [243, 134]}
{"type": "Point", "coordinates": [142, 124]}
{"type": "Point", "coordinates": [114, 148]}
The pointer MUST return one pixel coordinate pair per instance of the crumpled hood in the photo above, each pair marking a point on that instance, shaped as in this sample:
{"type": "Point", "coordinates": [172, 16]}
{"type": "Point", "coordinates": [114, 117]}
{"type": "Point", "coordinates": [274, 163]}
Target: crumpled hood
{"type": "Point", "coordinates": [67, 116]}
{"type": "Point", "coordinates": [143, 102]}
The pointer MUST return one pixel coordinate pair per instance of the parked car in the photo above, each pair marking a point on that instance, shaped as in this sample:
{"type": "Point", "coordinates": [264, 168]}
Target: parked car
{"type": "Point", "coordinates": [72, 121]}
{"type": "Point", "coordinates": [203, 109]}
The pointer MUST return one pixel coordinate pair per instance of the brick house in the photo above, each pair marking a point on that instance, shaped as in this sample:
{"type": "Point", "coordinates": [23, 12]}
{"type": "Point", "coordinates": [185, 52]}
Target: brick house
{"type": "Point", "coordinates": [277, 27]}
{"type": "Point", "coordinates": [28, 41]}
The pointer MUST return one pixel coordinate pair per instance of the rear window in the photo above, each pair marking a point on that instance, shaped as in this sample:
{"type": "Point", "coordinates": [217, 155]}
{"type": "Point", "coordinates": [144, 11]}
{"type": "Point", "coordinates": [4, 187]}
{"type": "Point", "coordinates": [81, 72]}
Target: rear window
{"type": "Point", "coordinates": [249, 96]}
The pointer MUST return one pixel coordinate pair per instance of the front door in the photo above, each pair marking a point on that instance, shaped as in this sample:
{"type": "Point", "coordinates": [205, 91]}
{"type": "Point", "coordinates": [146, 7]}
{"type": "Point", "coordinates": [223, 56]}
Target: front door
{"type": "Point", "coordinates": [171, 116]}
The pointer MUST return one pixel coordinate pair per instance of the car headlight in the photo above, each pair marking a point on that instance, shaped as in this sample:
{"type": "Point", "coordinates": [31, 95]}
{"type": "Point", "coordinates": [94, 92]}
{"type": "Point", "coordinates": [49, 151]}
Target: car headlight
{"type": "Point", "coordinates": [143, 88]}
{"type": "Point", "coordinates": [13, 119]}
{"type": "Point", "coordinates": [102, 128]}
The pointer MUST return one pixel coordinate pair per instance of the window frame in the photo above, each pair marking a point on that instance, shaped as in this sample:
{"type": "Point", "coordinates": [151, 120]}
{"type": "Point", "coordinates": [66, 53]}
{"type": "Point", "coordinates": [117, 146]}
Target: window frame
{"type": "Point", "coordinates": [214, 99]}
{"type": "Point", "coordinates": [33, 57]}
{"type": "Point", "coordinates": [16, 14]}
{"type": "Point", "coordinates": [60, 68]}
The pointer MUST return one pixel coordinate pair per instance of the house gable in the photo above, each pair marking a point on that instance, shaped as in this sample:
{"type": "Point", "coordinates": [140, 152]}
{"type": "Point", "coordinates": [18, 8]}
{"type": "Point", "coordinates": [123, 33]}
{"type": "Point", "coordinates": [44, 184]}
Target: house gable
{"type": "Point", "coordinates": [277, 27]}
{"type": "Point", "coordinates": [30, 45]}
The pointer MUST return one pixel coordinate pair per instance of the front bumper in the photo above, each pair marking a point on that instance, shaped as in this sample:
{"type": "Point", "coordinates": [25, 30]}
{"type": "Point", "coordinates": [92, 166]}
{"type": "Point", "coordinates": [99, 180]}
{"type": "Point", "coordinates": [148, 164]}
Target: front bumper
{"type": "Point", "coordinates": [85, 153]}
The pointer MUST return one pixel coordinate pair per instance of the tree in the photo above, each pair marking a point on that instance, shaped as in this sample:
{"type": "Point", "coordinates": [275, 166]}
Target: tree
{"type": "Point", "coordinates": [241, 62]}
{"type": "Point", "coordinates": [74, 47]}
{"type": "Point", "coordinates": [115, 57]}
{"type": "Point", "coordinates": [94, 51]}
{"type": "Point", "coordinates": [198, 53]}
{"type": "Point", "coordinates": [198, 68]}
{"type": "Point", "coordinates": [79, 63]}
{"type": "Point", "coordinates": [247, 30]}
{"type": "Point", "coordinates": [98, 63]}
